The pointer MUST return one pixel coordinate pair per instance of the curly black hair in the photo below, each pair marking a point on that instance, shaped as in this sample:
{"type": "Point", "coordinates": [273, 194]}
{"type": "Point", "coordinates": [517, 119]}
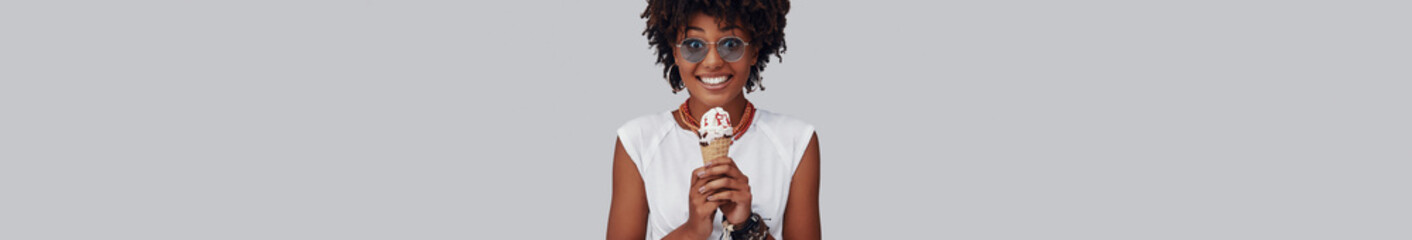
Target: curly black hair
{"type": "Point", "coordinates": [762, 19]}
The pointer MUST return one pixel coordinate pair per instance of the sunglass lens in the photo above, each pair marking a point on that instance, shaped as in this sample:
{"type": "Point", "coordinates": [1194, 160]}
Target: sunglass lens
{"type": "Point", "coordinates": [731, 49]}
{"type": "Point", "coordinates": [694, 50]}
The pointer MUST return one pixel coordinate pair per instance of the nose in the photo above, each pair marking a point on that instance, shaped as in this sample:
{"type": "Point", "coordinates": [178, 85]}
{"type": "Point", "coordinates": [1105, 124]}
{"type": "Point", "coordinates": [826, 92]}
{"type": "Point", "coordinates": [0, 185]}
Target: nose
{"type": "Point", "coordinates": [713, 59]}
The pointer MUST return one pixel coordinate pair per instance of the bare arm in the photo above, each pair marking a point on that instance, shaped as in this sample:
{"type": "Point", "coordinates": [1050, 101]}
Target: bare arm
{"type": "Point", "coordinates": [627, 217]}
{"type": "Point", "coordinates": [801, 213]}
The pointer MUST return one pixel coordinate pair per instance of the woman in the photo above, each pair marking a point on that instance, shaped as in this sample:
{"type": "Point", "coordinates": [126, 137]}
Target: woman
{"type": "Point", "coordinates": [768, 185]}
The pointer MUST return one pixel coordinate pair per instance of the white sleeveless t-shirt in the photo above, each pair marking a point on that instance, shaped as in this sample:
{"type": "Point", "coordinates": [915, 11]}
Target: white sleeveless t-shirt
{"type": "Point", "coordinates": [768, 153]}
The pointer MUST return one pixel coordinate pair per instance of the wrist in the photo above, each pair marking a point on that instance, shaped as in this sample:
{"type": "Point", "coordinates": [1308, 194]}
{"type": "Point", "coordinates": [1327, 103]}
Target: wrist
{"type": "Point", "coordinates": [698, 228]}
{"type": "Point", "coordinates": [738, 218]}
{"type": "Point", "coordinates": [752, 228]}
{"type": "Point", "coordinates": [737, 221]}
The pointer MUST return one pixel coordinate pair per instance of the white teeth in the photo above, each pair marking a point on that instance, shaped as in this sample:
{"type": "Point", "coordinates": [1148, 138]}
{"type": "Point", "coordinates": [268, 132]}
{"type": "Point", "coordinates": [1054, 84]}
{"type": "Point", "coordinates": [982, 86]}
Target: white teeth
{"type": "Point", "coordinates": [714, 80]}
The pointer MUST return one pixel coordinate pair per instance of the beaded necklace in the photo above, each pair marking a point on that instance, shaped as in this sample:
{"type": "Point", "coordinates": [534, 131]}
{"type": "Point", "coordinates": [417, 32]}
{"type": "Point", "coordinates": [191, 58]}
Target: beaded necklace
{"type": "Point", "coordinates": [684, 116]}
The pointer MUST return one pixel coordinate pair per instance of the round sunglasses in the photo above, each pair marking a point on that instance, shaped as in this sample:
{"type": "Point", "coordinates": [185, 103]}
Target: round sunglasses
{"type": "Point", "coordinates": [729, 48]}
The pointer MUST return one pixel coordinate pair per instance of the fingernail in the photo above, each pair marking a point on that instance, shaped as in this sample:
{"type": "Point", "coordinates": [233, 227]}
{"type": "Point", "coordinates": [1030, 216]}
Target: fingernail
{"type": "Point", "coordinates": [701, 190]}
{"type": "Point", "coordinates": [701, 174]}
{"type": "Point", "coordinates": [710, 197]}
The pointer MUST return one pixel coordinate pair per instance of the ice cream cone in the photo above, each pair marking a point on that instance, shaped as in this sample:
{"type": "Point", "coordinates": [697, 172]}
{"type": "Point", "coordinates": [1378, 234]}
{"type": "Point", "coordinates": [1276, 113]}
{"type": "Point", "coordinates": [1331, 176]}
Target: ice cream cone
{"type": "Point", "coordinates": [715, 134]}
{"type": "Point", "coordinates": [717, 148]}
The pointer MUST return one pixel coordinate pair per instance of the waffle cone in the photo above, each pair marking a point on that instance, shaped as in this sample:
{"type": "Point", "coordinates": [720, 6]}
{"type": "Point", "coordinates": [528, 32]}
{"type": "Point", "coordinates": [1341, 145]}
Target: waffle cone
{"type": "Point", "coordinates": [718, 148]}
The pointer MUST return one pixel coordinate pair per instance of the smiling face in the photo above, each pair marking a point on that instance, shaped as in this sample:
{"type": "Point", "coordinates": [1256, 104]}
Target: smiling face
{"type": "Point", "coordinates": [713, 81]}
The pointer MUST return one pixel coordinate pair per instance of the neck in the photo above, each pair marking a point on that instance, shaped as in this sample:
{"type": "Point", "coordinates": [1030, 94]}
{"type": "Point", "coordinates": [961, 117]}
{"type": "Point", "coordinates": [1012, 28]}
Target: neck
{"type": "Point", "coordinates": [736, 108]}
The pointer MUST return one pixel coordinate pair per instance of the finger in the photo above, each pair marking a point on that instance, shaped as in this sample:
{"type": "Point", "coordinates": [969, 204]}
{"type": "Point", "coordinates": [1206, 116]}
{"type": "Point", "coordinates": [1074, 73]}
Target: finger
{"type": "Point", "coordinates": [719, 171]}
{"type": "Point", "coordinates": [729, 168]}
{"type": "Point", "coordinates": [698, 172]}
{"type": "Point", "coordinates": [718, 184]}
{"type": "Point", "coordinates": [697, 184]}
{"type": "Point", "coordinates": [712, 166]}
{"type": "Point", "coordinates": [693, 194]}
{"type": "Point", "coordinates": [711, 172]}
{"type": "Point", "coordinates": [733, 196]}
{"type": "Point", "coordinates": [701, 172]}
{"type": "Point", "coordinates": [694, 184]}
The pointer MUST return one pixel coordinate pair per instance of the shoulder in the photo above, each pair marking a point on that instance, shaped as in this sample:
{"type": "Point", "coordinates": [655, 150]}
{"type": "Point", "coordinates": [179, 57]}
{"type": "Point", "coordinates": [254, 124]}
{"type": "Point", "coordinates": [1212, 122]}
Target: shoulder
{"type": "Point", "coordinates": [789, 134]}
{"type": "Point", "coordinates": [646, 128]}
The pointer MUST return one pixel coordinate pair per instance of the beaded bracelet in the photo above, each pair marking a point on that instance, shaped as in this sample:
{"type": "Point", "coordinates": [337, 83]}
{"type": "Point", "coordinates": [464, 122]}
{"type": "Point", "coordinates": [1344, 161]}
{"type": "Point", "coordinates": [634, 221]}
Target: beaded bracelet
{"type": "Point", "coordinates": [752, 229]}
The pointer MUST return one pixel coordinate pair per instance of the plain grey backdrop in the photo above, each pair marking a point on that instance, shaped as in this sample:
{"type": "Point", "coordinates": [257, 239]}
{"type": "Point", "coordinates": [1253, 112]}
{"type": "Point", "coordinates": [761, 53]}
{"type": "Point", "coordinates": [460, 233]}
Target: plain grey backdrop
{"type": "Point", "coordinates": [302, 119]}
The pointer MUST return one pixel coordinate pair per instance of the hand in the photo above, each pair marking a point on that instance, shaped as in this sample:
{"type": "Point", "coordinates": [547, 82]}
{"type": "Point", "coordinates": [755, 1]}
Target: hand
{"type": "Point", "coordinates": [701, 212]}
{"type": "Point", "coordinates": [728, 186]}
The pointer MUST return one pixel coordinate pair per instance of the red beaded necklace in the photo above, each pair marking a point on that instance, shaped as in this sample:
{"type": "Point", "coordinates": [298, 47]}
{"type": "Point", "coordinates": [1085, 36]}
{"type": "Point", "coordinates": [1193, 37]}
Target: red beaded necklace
{"type": "Point", "coordinates": [684, 115]}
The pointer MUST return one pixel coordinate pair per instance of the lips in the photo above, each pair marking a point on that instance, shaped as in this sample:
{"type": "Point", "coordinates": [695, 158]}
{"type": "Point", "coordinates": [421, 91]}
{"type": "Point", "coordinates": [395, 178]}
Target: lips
{"type": "Point", "coordinates": [714, 81]}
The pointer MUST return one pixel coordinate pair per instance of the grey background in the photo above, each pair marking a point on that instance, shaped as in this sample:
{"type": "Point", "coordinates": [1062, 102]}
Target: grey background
{"type": "Point", "coordinates": [306, 119]}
